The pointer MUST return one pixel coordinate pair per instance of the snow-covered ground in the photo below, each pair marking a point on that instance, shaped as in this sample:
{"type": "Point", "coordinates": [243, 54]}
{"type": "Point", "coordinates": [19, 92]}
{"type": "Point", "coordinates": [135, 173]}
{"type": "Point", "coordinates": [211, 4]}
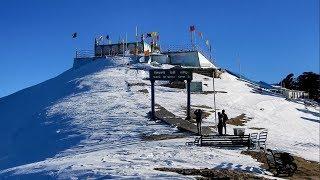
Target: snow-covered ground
{"type": "Point", "coordinates": [88, 122]}
{"type": "Point", "coordinates": [291, 126]}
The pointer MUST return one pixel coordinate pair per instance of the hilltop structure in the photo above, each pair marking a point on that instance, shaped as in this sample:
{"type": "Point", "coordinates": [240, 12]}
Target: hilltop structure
{"type": "Point", "coordinates": [131, 48]}
{"type": "Point", "coordinates": [290, 93]}
{"type": "Point", "coordinates": [187, 56]}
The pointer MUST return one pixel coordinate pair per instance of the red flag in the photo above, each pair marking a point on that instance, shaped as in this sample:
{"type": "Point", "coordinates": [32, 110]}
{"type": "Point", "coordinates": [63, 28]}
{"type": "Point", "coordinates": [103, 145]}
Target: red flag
{"type": "Point", "coordinates": [200, 34]}
{"type": "Point", "coordinates": [192, 28]}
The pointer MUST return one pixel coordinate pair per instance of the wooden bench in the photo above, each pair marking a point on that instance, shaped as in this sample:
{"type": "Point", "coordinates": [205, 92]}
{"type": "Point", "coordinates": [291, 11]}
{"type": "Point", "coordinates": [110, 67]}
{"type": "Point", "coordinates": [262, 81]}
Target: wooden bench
{"type": "Point", "coordinates": [225, 141]}
{"type": "Point", "coordinates": [262, 139]}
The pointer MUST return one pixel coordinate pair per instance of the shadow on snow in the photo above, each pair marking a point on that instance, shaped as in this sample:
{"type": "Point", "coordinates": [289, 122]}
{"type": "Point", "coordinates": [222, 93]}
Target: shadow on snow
{"type": "Point", "coordinates": [27, 133]}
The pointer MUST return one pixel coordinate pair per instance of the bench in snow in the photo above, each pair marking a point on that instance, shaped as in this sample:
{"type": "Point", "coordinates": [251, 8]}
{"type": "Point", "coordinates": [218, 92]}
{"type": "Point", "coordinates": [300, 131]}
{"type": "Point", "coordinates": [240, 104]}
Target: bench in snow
{"type": "Point", "coordinates": [224, 140]}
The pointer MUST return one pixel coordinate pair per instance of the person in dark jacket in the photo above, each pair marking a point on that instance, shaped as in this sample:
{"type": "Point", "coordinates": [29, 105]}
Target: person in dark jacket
{"type": "Point", "coordinates": [220, 123]}
{"type": "Point", "coordinates": [198, 114]}
{"type": "Point", "coordinates": [225, 119]}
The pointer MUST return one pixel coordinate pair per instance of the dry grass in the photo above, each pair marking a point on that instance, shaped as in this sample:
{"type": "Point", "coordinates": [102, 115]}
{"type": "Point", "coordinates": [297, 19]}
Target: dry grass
{"type": "Point", "coordinates": [137, 84]}
{"type": "Point", "coordinates": [256, 128]}
{"type": "Point", "coordinates": [175, 84]}
{"type": "Point", "coordinates": [209, 92]}
{"type": "Point", "coordinates": [143, 91]}
{"type": "Point", "coordinates": [238, 121]}
{"type": "Point", "coordinates": [205, 113]}
{"type": "Point", "coordinates": [159, 137]}
{"type": "Point", "coordinates": [212, 173]}
{"type": "Point", "coordinates": [306, 169]}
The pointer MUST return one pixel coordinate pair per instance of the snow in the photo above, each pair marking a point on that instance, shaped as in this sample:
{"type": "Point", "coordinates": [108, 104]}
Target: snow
{"type": "Point", "coordinates": [88, 122]}
{"type": "Point", "coordinates": [291, 126]}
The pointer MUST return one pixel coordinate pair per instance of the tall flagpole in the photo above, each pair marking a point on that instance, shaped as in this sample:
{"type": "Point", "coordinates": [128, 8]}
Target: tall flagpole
{"type": "Point", "coordinates": [126, 42]}
{"type": "Point", "coordinates": [74, 37]}
{"type": "Point", "coordinates": [136, 49]}
{"type": "Point", "coordinates": [192, 42]}
{"type": "Point", "coordinates": [195, 39]}
{"type": "Point", "coordinates": [239, 65]}
{"type": "Point", "coordinates": [122, 40]}
{"type": "Point", "coordinates": [210, 53]}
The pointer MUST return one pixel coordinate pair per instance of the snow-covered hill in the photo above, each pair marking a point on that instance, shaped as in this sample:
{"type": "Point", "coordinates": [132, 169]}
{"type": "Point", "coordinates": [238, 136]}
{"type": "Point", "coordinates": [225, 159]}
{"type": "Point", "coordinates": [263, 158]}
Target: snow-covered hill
{"type": "Point", "coordinates": [88, 122]}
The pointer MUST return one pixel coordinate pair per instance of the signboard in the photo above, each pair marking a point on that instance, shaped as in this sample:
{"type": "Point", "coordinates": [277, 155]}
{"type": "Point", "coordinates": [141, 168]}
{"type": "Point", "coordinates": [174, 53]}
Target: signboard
{"type": "Point", "coordinates": [170, 74]}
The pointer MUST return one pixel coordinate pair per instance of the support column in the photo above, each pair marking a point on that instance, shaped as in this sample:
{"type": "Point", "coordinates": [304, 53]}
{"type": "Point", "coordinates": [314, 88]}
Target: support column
{"type": "Point", "coordinates": [152, 100]}
{"type": "Point", "coordinates": [188, 99]}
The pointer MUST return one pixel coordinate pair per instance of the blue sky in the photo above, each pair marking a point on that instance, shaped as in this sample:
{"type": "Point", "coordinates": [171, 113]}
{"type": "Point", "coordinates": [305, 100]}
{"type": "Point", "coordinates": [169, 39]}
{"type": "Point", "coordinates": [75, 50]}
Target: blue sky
{"type": "Point", "coordinates": [271, 38]}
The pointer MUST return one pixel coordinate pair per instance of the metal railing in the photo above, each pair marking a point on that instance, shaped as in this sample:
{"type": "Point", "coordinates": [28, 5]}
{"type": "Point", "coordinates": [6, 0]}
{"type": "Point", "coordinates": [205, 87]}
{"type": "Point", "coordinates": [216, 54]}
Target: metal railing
{"type": "Point", "coordinates": [206, 54]}
{"type": "Point", "coordinates": [176, 47]}
{"type": "Point", "coordinates": [85, 54]}
{"type": "Point", "coordinates": [164, 49]}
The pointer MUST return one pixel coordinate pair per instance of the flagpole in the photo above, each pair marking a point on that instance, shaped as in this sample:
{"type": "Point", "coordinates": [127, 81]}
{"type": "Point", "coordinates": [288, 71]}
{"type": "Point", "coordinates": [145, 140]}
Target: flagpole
{"type": "Point", "coordinates": [210, 54]}
{"type": "Point", "coordinates": [126, 42]}
{"type": "Point", "coordinates": [74, 37]}
{"type": "Point", "coordinates": [192, 40]}
{"type": "Point", "coordinates": [239, 65]}
{"type": "Point", "coordinates": [195, 38]}
{"type": "Point", "coordinates": [75, 47]}
{"type": "Point", "coordinates": [122, 40]}
{"type": "Point", "coordinates": [136, 49]}
{"type": "Point", "coordinates": [192, 43]}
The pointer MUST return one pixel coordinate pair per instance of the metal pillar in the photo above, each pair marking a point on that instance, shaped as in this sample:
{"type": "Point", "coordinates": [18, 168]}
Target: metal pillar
{"type": "Point", "coordinates": [188, 99]}
{"type": "Point", "coordinates": [152, 100]}
{"type": "Point", "coordinates": [214, 99]}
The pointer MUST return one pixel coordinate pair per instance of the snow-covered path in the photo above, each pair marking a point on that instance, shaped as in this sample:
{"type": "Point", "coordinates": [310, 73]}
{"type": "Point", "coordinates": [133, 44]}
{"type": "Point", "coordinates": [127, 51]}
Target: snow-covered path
{"type": "Point", "coordinates": [104, 116]}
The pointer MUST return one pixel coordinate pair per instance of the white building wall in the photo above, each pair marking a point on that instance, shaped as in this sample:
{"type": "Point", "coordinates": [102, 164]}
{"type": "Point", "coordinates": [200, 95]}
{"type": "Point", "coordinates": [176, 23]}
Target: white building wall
{"type": "Point", "coordinates": [294, 94]}
{"type": "Point", "coordinates": [204, 62]}
{"type": "Point", "coordinates": [162, 59]}
{"type": "Point", "coordinates": [192, 58]}
{"type": "Point", "coordinates": [185, 59]}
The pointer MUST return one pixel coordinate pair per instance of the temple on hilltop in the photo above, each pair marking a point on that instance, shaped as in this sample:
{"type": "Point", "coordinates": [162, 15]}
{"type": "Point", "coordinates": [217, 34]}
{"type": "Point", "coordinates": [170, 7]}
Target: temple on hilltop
{"type": "Point", "coordinates": [131, 48]}
{"type": "Point", "coordinates": [147, 50]}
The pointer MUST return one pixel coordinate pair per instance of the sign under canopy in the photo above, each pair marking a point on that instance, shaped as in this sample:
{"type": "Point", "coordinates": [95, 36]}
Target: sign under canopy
{"type": "Point", "coordinates": [170, 74]}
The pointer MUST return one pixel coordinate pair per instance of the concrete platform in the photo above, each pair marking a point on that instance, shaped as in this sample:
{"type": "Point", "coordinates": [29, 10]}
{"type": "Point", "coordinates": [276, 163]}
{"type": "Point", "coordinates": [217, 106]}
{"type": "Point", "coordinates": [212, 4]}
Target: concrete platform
{"type": "Point", "coordinates": [186, 125]}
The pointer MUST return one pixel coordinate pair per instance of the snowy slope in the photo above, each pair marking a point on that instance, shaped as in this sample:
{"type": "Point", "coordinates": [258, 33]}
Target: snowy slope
{"type": "Point", "coordinates": [292, 126]}
{"type": "Point", "coordinates": [25, 126]}
{"type": "Point", "coordinates": [88, 122]}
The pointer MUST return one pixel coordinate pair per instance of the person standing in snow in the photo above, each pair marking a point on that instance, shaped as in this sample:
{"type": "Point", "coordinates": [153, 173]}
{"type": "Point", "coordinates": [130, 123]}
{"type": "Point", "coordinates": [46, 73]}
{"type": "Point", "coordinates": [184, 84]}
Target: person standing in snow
{"type": "Point", "coordinates": [225, 119]}
{"type": "Point", "coordinates": [198, 114]}
{"type": "Point", "coordinates": [220, 123]}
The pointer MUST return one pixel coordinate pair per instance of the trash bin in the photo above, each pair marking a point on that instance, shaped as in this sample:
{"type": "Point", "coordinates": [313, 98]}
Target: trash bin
{"type": "Point", "coordinates": [238, 131]}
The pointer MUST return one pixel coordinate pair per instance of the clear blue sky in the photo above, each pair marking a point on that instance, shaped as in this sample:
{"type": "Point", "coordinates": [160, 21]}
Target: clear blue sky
{"type": "Point", "coordinates": [272, 37]}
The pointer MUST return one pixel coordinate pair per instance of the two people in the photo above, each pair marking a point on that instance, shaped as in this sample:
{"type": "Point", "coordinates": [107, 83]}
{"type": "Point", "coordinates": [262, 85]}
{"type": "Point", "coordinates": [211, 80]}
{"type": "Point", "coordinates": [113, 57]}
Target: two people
{"type": "Point", "coordinates": [223, 118]}
{"type": "Point", "coordinates": [222, 124]}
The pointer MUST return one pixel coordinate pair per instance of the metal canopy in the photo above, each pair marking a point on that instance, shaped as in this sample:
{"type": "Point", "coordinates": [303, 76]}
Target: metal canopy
{"type": "Point", "coordinates": [170, 75]}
